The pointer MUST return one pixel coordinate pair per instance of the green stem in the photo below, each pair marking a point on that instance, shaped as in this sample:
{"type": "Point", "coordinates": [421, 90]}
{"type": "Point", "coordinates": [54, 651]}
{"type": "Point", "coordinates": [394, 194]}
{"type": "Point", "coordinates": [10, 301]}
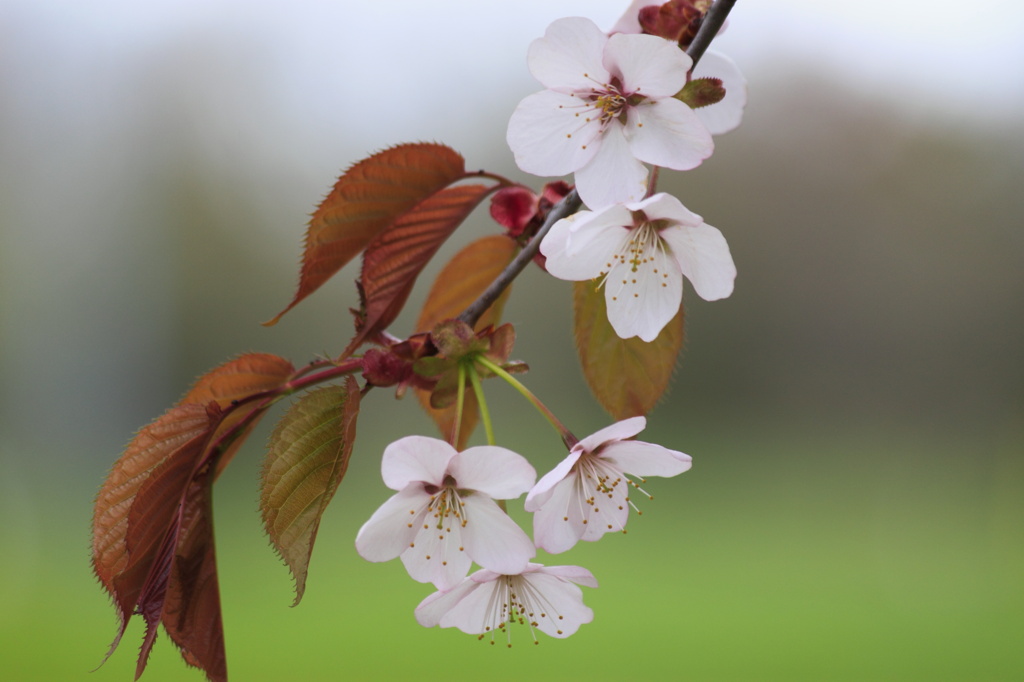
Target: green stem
{"type": "Point", "coordinates": [485, 414]}
{"type": "Point", "coordinates": [566, 435]}
{"type": "Point", "coordinates": [460, 403]}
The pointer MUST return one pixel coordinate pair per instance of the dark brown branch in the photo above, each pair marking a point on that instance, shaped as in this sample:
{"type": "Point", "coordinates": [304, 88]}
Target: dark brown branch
{"type": "Point", "coordinates": [709, 28]}
{"type": "Point", "coordinates": [566, 207]}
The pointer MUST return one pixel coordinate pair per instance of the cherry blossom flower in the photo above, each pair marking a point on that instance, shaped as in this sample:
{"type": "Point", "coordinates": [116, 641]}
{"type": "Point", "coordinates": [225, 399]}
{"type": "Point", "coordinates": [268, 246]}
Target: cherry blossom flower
{"type": "Point", "coordinates": [722, 116]}
{"type": "Point", "coordinates": [587, 494]}
{"type": "Point", "coordinates": [607, 110]}
{"type": "Point", "coordinates": [641, 252]}
{"type": "Point", "coordinates": [443, 517]}
{"type": "Point", "coordinates": [545, 598]}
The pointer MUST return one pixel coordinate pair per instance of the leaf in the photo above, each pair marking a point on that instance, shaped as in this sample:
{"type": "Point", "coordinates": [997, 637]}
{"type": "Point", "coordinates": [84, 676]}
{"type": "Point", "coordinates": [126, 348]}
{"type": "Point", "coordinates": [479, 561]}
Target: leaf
{"type": "Point", "coordinates": [395, 259]}
{"type": "Point", "coordinates": [464, 278]}
{"type": "Point", "coordinates": [158, 520]}
{"type": "Point", "coordinates": [460, 282]}
{"type": "Point", "coordinates": [308, 455]}
{"type": "Point", "coordinates": [242, 377]}
{"type": "Point", "coordinates": [152, 447]}
{"type": "Point", "coordinates": [368, 198]}
{"type": "Point", "coordinates": [246, 375]}
{"type": "Point", "coordinates": [627, 376]}
{"type": "Point", "coordinates": [152, 526]}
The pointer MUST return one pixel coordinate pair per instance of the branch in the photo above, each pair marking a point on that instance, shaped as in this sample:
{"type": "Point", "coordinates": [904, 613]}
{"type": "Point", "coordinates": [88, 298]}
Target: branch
{"type": "Point", "coordinates": [709, 28]}
{"type": "Point", "coordinates": [566, 207]}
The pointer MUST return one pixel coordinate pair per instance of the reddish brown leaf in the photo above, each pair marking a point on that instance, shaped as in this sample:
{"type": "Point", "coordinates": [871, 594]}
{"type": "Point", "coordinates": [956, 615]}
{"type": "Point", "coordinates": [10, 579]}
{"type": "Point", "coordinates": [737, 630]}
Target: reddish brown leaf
{"type": "Point", "coordinates": [156, 443]}
{"type": "Point", "coordinates": [191, 609]}
{"type": "Point", "coordinates": [152, 527]}
{"type": "Point", "coordinates": [461, 281]}
{"type": "Point", "coordinates": [368, 198]}
{"type": "Point", "coordinates": [178, 429]}
{"type": "Point", "coordinates": [242, 377]}
{"type": "Point", "coordinates": [395, 259]}
{"type": "Point", "coordinates": [239, 378]}
{"type": "Point", "coordinates": [627, 376]}
{"type": "Point", "coordinates": [307, 458]}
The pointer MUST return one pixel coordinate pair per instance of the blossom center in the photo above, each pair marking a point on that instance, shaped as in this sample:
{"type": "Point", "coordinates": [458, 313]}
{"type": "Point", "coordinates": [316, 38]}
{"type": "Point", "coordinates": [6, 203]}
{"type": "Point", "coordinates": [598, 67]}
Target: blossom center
{"type": "Point", "coordinates": [611, 103]}
{"type": "Point", "coordinates": [639, 256]}
{"type": "Point", "coordinates": [446, 501]}
{"type": "Point", "coordinates": [517, 600]}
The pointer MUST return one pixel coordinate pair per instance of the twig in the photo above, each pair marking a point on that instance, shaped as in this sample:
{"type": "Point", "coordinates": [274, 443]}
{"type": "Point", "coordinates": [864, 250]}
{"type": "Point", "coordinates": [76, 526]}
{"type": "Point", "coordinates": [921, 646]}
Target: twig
{"type": "Point", "coordinates": [709, 28]}
{"type": "Point", "coordinates": [566, 207]}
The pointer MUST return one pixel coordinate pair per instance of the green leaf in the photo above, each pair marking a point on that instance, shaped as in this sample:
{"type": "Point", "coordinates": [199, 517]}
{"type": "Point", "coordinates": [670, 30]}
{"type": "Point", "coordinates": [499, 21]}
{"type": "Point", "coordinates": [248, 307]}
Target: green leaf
{"type": "Point", "coordinates": [308, 456]}
{"type": "Point", "coordinates": [627, 376]}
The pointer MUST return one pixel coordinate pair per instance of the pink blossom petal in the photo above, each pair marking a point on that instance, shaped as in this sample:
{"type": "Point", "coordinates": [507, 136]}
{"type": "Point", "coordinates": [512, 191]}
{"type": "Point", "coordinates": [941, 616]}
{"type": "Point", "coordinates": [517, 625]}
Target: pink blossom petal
{"type": "Point", "coordinates": [640, 303]}
{"type": "Point", "coordinates": [434, 607]}
{"type": "Point", "coordinates": [664, 206]}
{"type": "Point", "coordinates": [703, 256]}
{"type": "Point", "coordinates": [480, 604]}
{"type": "Point", "coordinates": [647, 65]}
{"type": "Point", "coordinates": [726, 115]}
{"type": "Point", "coordinates": [559, 609]}
{"type": "Point", "coordinates": [541, 492]}
{"type": "Point", "coordinates": [392, 527]}
{"type": "Point", "coordinates": [608, 510]}
{"type": "Point", "coordinates": [613, 176]}
{"type": "Point", "coordinates": [495, 471]}
{"type": "Point", "coordinates": [666, 132]}
{"type": "Point", "coordinates": [629, 22]}
{"type": "Point", "coordinates": [575, 574]}
{"type": "Point", "coordinates": [415, 458]}
{"type": "Point", "coordinates": [645, 459]}
{"type": "Point", "coordinates": [558, 520]}
{"type": "Point", "coordinates": [583, 249]}
{"type": "Point", "coordinates": [552, 133]}
{"type": "Point", "coordinates": [568, 57]}
{"type": "Point", "coordinates": [492, 539]}
{"type": "Point", "coordinates": [620, 430]}
{"type": "Point", "coordinates": [437, 555]}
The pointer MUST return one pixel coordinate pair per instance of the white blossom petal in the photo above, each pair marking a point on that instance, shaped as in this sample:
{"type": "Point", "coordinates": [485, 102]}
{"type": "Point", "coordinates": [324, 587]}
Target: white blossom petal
{"type": "Point", "coordinates": [415, 458]}
{"type": "Point", "coordinates": [613, 175]}
{"type": "Point", "coordinates": [492, 539]}
{"type": "Point", "coordinates": [642, 300]}
{"type": "Point", "coordinates": [703, 256]}
{"type": "Point", "coordinates": [726, 115]}
{"type": "Point", "coordinates": [647, 65]}
{"type": "Point", "coordinates": [552, 133]}
{"type": "Point", "coordinates": [575, 574]}
{"type": "Point", "coordinates": [558, 521]}
{"type": "Point", "coordinates": [663, 206]}
{"type": "Point", "coordinates": [541, 492]}
{"type": "Point", "coordinates": [437, 554]}
{"type": "Point", "coordinates": [485, 602]}
{"type": "Point", "coordinates": [569, 56]}
{"type": "Point", "coordinates": [629, 22]}
{"type": "Point", "coordinates": [666, 132]}
{"type": "Point", "coordinates": [495, 471]}
{"type": "Point", "coordinates": [392, 527]}
{"type": "Point", "coordinates": [582, 254]}
{"type": "Point", "coordinates": [620, 430]}
{"type": "Point", "coordinates": [435, 606]}
{"type": "Point", "coordinates": [645, 459]}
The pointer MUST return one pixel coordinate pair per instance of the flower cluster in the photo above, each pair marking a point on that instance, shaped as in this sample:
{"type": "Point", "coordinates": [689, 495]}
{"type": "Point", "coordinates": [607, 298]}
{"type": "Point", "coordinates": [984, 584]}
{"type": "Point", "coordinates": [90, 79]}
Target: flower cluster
{"type": "Point", "coordinates": [613, 105]}
{"type": "Point", "coordinates": [443, 518]}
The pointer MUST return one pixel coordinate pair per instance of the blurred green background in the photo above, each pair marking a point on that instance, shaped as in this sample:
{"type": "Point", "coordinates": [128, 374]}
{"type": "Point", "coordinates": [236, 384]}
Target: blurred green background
{"type": "Point", "coordinates": [855, 410]}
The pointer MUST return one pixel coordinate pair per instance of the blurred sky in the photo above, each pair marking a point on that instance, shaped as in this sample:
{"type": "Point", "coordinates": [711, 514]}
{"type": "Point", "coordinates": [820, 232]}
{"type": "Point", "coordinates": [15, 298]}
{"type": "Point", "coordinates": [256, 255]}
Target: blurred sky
{"type": "Point", "coordinates": [158, 160]}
